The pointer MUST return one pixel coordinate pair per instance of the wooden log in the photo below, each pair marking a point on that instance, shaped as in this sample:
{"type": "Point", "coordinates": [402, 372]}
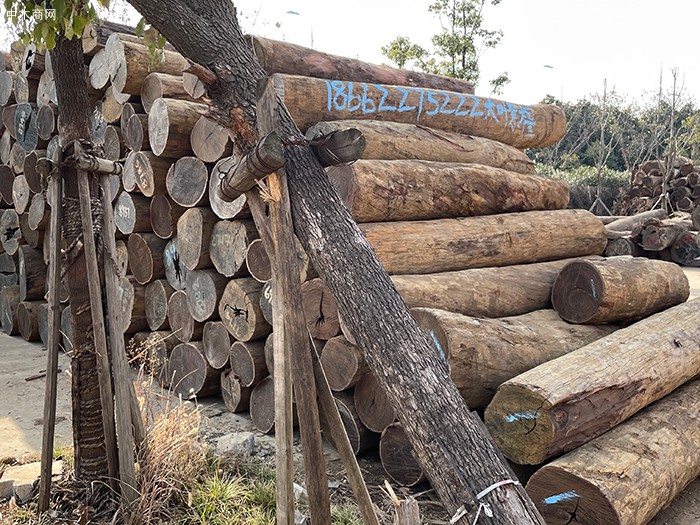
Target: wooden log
{"type": "Point", "coordinates": [320, 310]}
{"type": "Point", "coordinates": [266, 302]}
{"type": "Point", "coordinates": [32, 273]}
{"type": "Point", "coordinates": [182, 324]}
{"type": "Point", "coordinates": [8, 119]}
{"type": "Point", "coordinates": [151, 172]}
{"type": "Point", "coordinates": [121, 258]}
{"type": "Point", "coordinates": [175, 271]}
{"type": "Point", "coordinates": [132, 213]}
{"type": "Point", "coordinates": [282, 57]}
{"type": "Point", "coordinates": [66, 330]}
{"type": "Point", "coordinates": [146, 256]}
{"type": "Point", "coordinates": [187, 182]}
{"type": "Point", "coordinates": [562, 404]}
{"type": "Point", "coordinates": [361, 439]}
{"type": "Point", "coordinates": [131, 317]}
{"type": "Point", "coordinates": [154, 349]}
{"type": "Point", "coordinates": [396, 190]}
{"type": "Point", "coordinates": [262, 405]}
{"type": "Point", "coordinates": [228, 246]}
{"type": "Point", "coordinates": [137, 66]}
{"type": "Point", "coordinates": [194, 232]}
{"type": "Point", "coordinates": [46, 121]}
{"type": "Point", "coordinates": [621, 289]}
{"type": "Point", "coordinates": [26, 130]}
{"type": "Point", "coordinates": [483, 353]}
{"type": "Point", "coordinates": [28, 319]}
{"type": "Point", "coordinates": [397, 457]}
{"type": "Point", "coordinates": [136, 133]}
{"type": "Point", "coordinates": [224, 209]}
{"type": "Point", "coordinates": [630, 473]}
{"type": "Point", "coordinates": [164, 216]}
{"type": "Point", "coordinates": [43, 320]}
{"type": "Point", "coordinates": [248, 362]}
{"type": "Point", "coordinates": [204, 291]}
{"type": "Point", "coordinates": [157, 294]}
{"type": "Point", "coordinates": [7, 88]}
{"type": "Point", "coordinates": [35, 180]}
{"type": "Point", "coordinates": [372, 405]}
{"type": "Point", "coordinates": [239, 310]}
{"type": "Point", "coordinates": [217, 344]}
{"type": "Point", "coordinates": [191, 374]}
{"type": "Point", "coordinates": [170, 124]}
{"type": "Point", "coordinates": [686, 250]}
{"type": "Point", "coordinates": [129, 173]}
{"type": "Point", "coordinates": [54, 149]}
{"type": "Point", "coordinates": [210, 141]}
{"type": "Point", "coordinates": [270, 353]}
{"type": "Point", "coordinates": [162, 85]}
{"type": "Point", "coordinates": [46, 91]}
{"type": "Point", "coordinates": [129, 110]}
{"type": "Point", "coordinates": [343, 363]}
{"type": "Point", "coordinates": [507, 239]}
{"type": "Point", "coordinates": [21, 194]}
{"type": "Point", "coordinates": [6, 142]}
{"type": "Point", "coordinates": [17, 155]}
{"type": "Point", "coordinates": [33, 238]}
{"type": "Point", "coordinates": [9, 300]}
{"type": "Point", "coordinates": [114, 148]}
{"type": "Point", "coordinates": [8, 268]}
{"type": "Point", "coordinates": [258, 262]}
{"type": "Point", "coordinates": [95, 35]}
{"type": "Point", "coordinates": [657, 235]}
{"type": "Point", "coordinates": [312, 100]}
{"type": "Point", "coordinates": [10, 232]}
{"type": "Point", "coordinates": [624, 246]}
{"type": "Point", "coordinates": [7, 177]}
{"type": "Point", "coordinates": [629, 223]}
{"type": "Point", "coordinates": [112, 105]}
{"type": "Point", "coordinates": [25, 89]}
{"type": "Point", "coordinates": [396, 141]}
{"type": "Point", "coordinates": [235, 397]}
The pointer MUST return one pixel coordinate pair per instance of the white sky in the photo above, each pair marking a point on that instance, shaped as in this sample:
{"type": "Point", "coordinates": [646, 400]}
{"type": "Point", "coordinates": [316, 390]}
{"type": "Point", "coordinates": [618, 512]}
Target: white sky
{"type": "Point", "coordinates": [627, 42]}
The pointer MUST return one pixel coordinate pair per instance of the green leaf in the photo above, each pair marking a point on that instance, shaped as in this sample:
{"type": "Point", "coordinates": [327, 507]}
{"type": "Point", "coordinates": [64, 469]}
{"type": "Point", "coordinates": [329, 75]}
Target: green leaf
{"type": "Point", "coordinates": [51, 40]}
{"type": "Point", "coordinates": [140, 27]}
{"type": "Point", "coordinates": [60, 7]}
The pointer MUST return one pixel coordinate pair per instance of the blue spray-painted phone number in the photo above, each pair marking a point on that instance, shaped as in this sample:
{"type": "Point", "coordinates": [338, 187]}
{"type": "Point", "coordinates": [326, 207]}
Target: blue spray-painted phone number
{"type": "Point", "coordinates": [345, 96]}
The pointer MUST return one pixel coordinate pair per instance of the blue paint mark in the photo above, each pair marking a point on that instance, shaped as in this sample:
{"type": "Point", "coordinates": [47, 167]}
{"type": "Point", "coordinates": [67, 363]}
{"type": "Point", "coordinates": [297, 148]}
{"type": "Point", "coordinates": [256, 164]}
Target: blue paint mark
{"type": "Point", "coordinates": [521, 415]}
{"type": "Point", "coordinates": [563, 496]}
{"type": "Point", "coordinates": [443, 356]}
{"type": "Point", "coordinates": [593, 289]}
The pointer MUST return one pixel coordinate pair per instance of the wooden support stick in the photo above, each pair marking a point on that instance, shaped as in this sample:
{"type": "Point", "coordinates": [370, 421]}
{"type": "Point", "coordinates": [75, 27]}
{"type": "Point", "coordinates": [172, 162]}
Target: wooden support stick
{"type": "Point", "coordinates": [87, 162]}
{"type": "Point", "coordinates": [98, 322]}
{"type": "Point", "coordinates": [55, 190]}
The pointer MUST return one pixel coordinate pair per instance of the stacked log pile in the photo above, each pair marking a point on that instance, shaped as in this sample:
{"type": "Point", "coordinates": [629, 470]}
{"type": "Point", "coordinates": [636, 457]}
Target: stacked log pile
{"type": "Point", "coordinates": [471, 237]}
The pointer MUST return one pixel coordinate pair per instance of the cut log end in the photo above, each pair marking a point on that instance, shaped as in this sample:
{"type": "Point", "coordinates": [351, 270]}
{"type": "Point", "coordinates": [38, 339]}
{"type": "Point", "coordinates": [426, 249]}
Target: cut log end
{"type": "Point", "coordinates": [578, 300]}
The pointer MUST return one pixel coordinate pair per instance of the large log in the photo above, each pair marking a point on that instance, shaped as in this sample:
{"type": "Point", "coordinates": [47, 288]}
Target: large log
{"type": "Point", "coordinates": [474, 242]}
{"type": "Point", "coordinates": [28, 319]}
{"type": "Point", "coordinates": [228, 246]}
{"type": "Point", "coordinates": [217, 344]}
{"type": "Point", "coordinates": [394, 141]}
{"type": "Point", "coordinates": [8, 119]}
{"type": "Point", "coordinates": [266, 303]}
{"type": "Point", "coordinates": [204, 291]}
{"type": "Point", "coordinates": [312, 100]}
{"type": "Point", "coordinates": [132, 213]}
{"type": "Point", "coordinates": [237, 208]}
{"type": "Point", "coordinates": [146, 256]}
{"type": "Point", "coordinates": [153, 350]}
{"type": "Point", "coordinates": [157, 294]}
{"type": "Point", "coordinates": [10, 232]}
{"type": "Point", "coordinates": [136, 132]}
{"type": "Point", "coordinates": [209, 140]}
{"type": "Point", "coordinates": [33, 238]}
{"type": "Point", "coordinates": [162, 85]}
{"type": "Point", "coordinates": [9, 300]}
{"type": "Point", "coordinates": [657, 235]}
{"type": "Point", "coordinates": [170, 124]}
{"type": "Point", "coordinates": [320, 310]}
{"type": "Point", "coordinates": [35, 180]}
{"type": "Point", "coordinates": [483, 353]}
{"type": "Point", "coordinates": [361, 438]}
{"type": "Point", "coordinates": [21, 194]}
{"type": "Point", "coordinates": [627, 475]}
{"type": "Point", "coordinates": [262, 405]}
{"type": "Point", "coordinates": [398, 460]}
{"type": "Point", "coordinates": [32, 274]}
{"type": "Point", "coordinates": [46, 120]}
{"type": "Point", "coordinates": [114, 148]}
{"type": "Point", "coordinates": [151, 172]}
{"type": "Point", "coordinates": [164, 216]}
{"type": "Point", "coordinates": [258, 262]}
{"type": "Point", "coordinates": [235, 397]}
{"type": "Point", "coordinates": [248, 362]}
{"type": "Point", "coordinates": [405, 190]}
{"type": "Point", "coordinates": [343, 363]}
{"type": "Point", "coordinates": [564, 403]}
{"type": "Point", "coordinates": [621, 289]}
{"type": "Point", "coordinates": [131, 317]}
{"type": "Point", "coordinates": [187, 182]}
{"type": "Point", "coordinates": [7, 177]}
{"type": "Point", "coordinates": [7, 87]}
{"type": "Point", "coordinates": [686, 249]}
{"type": "Point", "coordinates": [624, 246]}
{"type": "Point", "coordinates": [191, 374]}
{"type": "Point", "coordinates": [175, 271]}
{"type": "Point", "coordinates": [239, 310]}
{"type": "Point", "coordinates": [282, 57]}
{"type": "Point", "coordinates": [182, 324]}
{"type": "Point", "coordinates": [629, 223]}
{"type": "Point", "coordinates": [373, 406]}
{"type": "Point", "coordinates": [194, 232]}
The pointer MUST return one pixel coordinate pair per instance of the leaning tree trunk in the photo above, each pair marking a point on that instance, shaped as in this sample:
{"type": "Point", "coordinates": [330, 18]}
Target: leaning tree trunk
{"type": "Point", "coordinates": [88, 434]}
{"type": "Point", "coordinates": [450, 442]}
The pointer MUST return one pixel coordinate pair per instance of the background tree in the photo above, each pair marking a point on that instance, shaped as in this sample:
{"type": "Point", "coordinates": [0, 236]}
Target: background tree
{"type": "Point", "coordinates": [457, 49]}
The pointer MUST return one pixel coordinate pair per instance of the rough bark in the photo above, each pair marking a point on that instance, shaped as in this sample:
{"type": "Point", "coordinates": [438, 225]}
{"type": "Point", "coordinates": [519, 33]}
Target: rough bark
{"type": "Point", "coordinates": [563, 404]}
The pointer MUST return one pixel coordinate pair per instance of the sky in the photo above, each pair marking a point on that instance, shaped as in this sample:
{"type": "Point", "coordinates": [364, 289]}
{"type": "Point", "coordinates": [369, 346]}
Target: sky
{"type": "Point", "coordinates": [564, 48]}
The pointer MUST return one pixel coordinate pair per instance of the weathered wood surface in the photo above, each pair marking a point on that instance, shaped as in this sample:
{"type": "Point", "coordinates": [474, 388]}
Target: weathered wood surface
{"type": "Point", "coordinates": [151, 172]}
{"type": "Point", "coordinates": [473, 242]}
{"type": "Point", "coordinates": [311, 100]}
{"type": "Point", "coordinates": [136, 133]}
{"type": "Point", "coordinates": [182, 324]}
{"type": "Point", "coordinates": [343, 363]}
{"type": "Point", "coordinates": [398, 460]}
{"type": "Point", "coordinates": [146, 256]}
{"type": "Point", "coordinates": [28, 319]}
{"type": "Point", "coordinates": [131, 316]}
{"type": "Point", "coordinates": [621, 289]}
{"type": "Point", "coordinates": [238, 208]}
{"type": "Point", "coordinates": [21, 194]}
{"type": "Point", "coordinates": [624, 245]}
{"type": "Point", "coordinates": [204, 291]}
{"type": "Point", "coordinates": [157, 294]}
{"type": "Point", "coordinates": [209, 140]}
{"type": "Point", "coordinates": [373, 406]}
{"type": "Point", "coordinates": [10, 232]}
{"type": "Point", "coordinates": [194, 232]}
{"type": "Point", "coordinates": [191, 374]}
{"type": "Point", "coordinates": [361, 438]}
{"type": "Point", "coordinates": [217, 344]}
{"type": "Point", "coordinates": [320, 310]}
{"type": "Point", "coordinates": [32, 274]}
{"type": "Point", "coordinates": [170, 124]}
{"type": "Point", "coordinates": [629, 223]}
{"type": "Point", "coordinates": [481, 354]}
{"type": "Point", "coordinates": [564, 403]}
{"type": "Point", "coordinates": [630, 473]}
{"type": "Point", "coordinates": [405, 190]}
{"type": "Point", "coordinates": [187, 182]}
{"type": "Point", "coordinates": [34, 179]}
{"type": "Point", "coordinates": [9, 300]}
{"type": "Point", "coordinates": [164, 216]}
{"type": "Point", "coordinates": [235, 397]}
{"type": "Point", "coordinates": [228, 246]}
{"type": "Point", "coordinates": [686, 249]}
{"type": "Point", "coordinates": [175, 271]}
{"type": "Point", "coordinates": [387, 140]}
{"type": "Point", "coordinates": [258, 262]}
{"type": "Point", "coordinates": [248, 362]}
{"type": "Point", "coordinates": [132, 213]}
{"type": "Point", "coordinates": [239, 310]}
{"type": "Point", "coordinates": [282, 57]}
{"type": "Point", "coordinates": [262, 405]}
{"type": "Point", "coordinates": [162, 85]}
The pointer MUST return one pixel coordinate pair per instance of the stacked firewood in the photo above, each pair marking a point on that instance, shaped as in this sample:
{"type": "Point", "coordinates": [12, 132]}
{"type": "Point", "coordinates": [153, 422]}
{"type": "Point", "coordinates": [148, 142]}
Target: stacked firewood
{"type": "Point", "coordinates": [674, 184]}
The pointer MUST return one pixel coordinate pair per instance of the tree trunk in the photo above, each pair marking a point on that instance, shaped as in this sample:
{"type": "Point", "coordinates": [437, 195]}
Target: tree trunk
{"type": "Point", "coordinates": [217, 344]}
{"type": "Point", "coordinates": [136, 133]}
{"type": "Point", "coordinates": [483, 353]}
{"type": "Point", "coordinates": [630, 473]}
{"type": "Point", "coordinates": [228, 246]}
{"type": "Point", "coordinates": [658, 235]}
{"type": "Point", "coordinates": [21, 194]}
{"type": "Point", "coordinates": [407, 190]}
{"type": "Point", "coordinates": [157, 294]}
{"type": "Point", "coordinates": [395, 141]}
{"type": "Point", "coordinates": [10, 232]}
{"type": "Point", "coordinates": [624, 246]}
{"type": "Point", "coordinates": [617, 290]}
{"type": "Point", "coordinates": [191, 374]}
{"type": "Point", "coordinates": [311, 100]}
{"type": "Point", "coordinates": [562, 404]}
{"type": "Point", "coordinates": [258, 262]}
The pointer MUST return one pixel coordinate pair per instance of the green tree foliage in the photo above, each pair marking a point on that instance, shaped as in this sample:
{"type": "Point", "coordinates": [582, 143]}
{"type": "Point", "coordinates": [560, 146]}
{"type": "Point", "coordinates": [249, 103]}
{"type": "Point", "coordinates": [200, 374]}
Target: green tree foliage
{"type": "Point", "coordinates": [457, 49]}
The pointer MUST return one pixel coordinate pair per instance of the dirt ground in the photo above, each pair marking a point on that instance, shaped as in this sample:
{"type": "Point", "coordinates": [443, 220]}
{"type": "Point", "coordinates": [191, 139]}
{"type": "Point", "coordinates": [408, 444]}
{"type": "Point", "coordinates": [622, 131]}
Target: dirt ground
{"type": "Point", "coordinates": [22, 406]}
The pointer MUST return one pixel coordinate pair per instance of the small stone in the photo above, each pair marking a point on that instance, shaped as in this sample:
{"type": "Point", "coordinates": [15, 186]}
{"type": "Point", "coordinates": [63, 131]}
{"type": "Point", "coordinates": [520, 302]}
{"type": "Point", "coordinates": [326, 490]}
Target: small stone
{"type": "Point", "coordinates": [236, 444]}
{"type": "Point", "coordinates": [22, 478]}
{"type": "Point", "coordinates": [6, 486]}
